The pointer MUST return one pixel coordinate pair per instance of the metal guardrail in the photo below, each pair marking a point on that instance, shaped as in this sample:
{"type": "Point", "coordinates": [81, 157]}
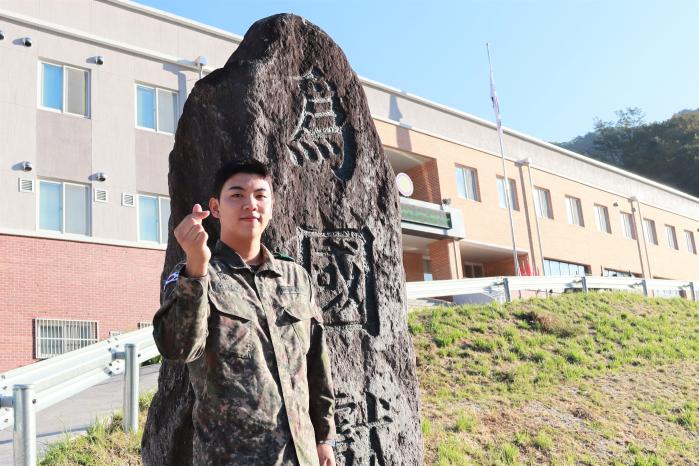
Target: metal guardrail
{"type": "Point", "coordinates": [558, 284]}
{"type": "Point", "coordinates": [32, 388]}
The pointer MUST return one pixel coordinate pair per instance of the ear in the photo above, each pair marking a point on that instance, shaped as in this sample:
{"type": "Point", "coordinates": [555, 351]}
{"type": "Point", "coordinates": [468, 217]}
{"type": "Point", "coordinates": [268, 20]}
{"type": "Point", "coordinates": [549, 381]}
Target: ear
{"type": "Point", "coordinates": [213, 207]}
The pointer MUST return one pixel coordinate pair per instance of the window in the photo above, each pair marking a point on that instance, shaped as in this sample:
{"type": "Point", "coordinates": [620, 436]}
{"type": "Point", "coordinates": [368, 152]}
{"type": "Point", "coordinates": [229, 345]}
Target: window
{"type": "Point", "coordinates": [542, 202]}
{"type": "Point", "coordinates": [156, 109]}
{"type": "Point", "coordinates": [144, 324]}
{"type": "Point", "coordinates": [153, 217]}
{"type": "Point", "coordinates": [649, 231]}
{"type": "Point", "coordinates": [513, 193]}
{"type": "Point", "coordinates": [671, 236]}
{"type": "Point", "coordinates": [64, 88]}
{"type": "Point", "coordinates": [114, 333]}
{"type": "Point", "coordinates": [691, 245]}
{"type": "Point", "coordinates": [602, 217]}
{"type": "Point", "coordinates": [555, 268]}
{"type": "Point", "coordinates": [575, 215]}
{"type": "Point", "coordinates": [628, 225]}
{"type": "Point", "coordinates": [64, 207]}
{"type": "Point", "coordinates": [58, 336]}
{"type": "Point", "coordinates": [426, 270]}
{"type": "Point", "coordinates": [616, 273]}
{"type": "Point", "coordinates": [467, 183]}
{"type": "Point", "coordinates": [473, 270]}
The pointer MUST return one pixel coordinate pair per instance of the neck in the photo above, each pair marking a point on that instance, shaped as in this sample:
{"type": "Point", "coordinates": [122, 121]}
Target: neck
{"type": "Point", "coordinates": [248, 249]}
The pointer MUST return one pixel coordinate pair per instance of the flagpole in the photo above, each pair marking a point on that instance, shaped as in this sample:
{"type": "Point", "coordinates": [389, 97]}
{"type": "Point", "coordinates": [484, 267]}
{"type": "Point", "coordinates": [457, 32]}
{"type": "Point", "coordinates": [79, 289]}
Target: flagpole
{"type": "Point", "coordinates": [506, 181]}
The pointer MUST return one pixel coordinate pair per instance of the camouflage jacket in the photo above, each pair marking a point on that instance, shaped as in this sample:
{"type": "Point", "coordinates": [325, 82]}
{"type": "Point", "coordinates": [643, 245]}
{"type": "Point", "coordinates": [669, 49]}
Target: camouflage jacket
{"type": "Point", "coordinates": [257, 360]}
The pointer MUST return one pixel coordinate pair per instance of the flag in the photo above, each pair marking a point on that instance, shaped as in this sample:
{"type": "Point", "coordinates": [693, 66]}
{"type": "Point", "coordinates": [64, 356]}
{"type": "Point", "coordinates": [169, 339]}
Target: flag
{"type": "Point", "coordinates": [494, 97]}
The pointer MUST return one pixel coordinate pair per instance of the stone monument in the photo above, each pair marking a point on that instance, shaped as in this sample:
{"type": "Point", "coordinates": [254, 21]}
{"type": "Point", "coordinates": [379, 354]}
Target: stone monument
{"type": "Point", "coordinates": [288, 97]}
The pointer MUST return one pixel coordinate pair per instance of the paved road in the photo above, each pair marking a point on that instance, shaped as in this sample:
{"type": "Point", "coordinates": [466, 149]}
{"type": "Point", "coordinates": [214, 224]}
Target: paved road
{"type": "Point", "coordinates": [75, 414]}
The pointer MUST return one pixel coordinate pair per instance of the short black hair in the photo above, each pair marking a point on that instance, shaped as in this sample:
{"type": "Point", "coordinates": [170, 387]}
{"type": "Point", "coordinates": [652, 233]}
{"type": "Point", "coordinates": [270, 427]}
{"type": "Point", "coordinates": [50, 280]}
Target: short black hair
{"type": "Point", "coordinates": [228, 169]}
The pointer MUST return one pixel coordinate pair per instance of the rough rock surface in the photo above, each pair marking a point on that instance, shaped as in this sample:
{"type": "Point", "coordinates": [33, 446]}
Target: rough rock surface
{"type": "Point", "coordinates": [288, 97]}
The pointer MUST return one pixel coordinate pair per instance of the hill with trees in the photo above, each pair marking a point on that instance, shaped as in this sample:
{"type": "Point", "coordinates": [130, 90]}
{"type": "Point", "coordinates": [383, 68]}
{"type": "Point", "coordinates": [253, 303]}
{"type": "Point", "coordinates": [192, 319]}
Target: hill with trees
{"type": "Point", "coordinates": [666, 151]}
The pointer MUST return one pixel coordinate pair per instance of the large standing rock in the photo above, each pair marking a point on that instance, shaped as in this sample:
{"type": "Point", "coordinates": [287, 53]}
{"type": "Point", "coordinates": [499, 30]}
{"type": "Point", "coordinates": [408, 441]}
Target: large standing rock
{"type": "Point", "coordinates": [288, 97]}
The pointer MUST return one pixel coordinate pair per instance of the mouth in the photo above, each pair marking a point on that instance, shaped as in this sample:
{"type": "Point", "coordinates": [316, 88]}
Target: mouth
{"type": "Point", "coordinates": [249, 219]}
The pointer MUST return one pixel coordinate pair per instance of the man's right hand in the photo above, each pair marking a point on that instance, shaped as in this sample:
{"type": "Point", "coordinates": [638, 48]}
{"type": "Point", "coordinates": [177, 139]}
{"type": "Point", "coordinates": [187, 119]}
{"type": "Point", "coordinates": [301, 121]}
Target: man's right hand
{"type": "Point", "coordinates": [192, 237]}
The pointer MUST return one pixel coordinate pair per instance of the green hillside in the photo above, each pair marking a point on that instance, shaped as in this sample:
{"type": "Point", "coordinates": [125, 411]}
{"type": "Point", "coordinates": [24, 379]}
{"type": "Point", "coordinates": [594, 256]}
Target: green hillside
{"type": "Point", "coordinates": [580, 379]}
{"type": "Point", "coordinates": [599, 378]}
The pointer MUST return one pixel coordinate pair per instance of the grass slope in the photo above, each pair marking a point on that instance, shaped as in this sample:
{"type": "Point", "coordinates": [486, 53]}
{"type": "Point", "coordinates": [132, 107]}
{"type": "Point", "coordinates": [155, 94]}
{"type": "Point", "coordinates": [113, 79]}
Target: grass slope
{"type": "Point", "coordinates": [595, 379]}
{"type": "Point", "coordinates": [599, 378]}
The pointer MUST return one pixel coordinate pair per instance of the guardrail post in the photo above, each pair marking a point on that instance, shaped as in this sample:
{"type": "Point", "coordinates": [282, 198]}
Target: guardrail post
{"type": "Point", "coordinates": [644, 284]}
{"type": "Point", "coordinates": [131, 375]}
{"type": "Point", "coordinates": [693, 291]}
{"type": "Point", "coordinates": [506, 286]}
{"type": "Point", "coordinates": [583, 282]}
{"type": "Point", "coordinates": [24, 436]}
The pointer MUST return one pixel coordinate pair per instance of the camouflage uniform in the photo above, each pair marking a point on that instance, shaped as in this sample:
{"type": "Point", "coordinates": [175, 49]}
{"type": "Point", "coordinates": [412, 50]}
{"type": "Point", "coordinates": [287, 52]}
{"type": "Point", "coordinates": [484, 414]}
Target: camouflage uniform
{"type": "Point", "coordinates": [255, 347]}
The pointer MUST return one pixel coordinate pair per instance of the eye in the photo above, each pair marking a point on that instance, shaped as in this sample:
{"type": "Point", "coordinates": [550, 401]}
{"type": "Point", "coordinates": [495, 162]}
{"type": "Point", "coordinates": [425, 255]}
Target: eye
{"type": "Point", "coordinates": [236, 195]}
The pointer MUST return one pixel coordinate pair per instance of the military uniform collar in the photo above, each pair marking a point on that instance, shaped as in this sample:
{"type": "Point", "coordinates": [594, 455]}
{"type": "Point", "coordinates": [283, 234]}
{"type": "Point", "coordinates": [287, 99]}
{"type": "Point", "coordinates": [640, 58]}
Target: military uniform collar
{"type": "Point", "coordinates": [232, 259]}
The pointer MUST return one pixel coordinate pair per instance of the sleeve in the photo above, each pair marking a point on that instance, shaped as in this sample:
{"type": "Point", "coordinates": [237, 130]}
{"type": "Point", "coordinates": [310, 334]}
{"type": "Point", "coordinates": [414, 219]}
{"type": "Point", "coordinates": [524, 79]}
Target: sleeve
{"type": "Point", "coordinates": [320, 385]}
{"type": "Point", "coordinates": [180, 326]}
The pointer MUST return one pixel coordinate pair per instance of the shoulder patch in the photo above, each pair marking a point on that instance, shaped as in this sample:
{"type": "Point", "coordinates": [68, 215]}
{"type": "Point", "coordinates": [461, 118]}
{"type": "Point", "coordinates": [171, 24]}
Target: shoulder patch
{"type": "Point", "coordinates": [282, 256]}
{"type": "Point", "coordinates": [172, 278]}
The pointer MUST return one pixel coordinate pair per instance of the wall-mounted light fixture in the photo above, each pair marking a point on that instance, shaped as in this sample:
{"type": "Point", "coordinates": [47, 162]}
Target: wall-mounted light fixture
{"type": "Point", "coordinates": [2, 35]}
{"type": "Point", "coordinates": [201, 62]}
{"type": "Point", "coordinates": [27, 166]}
{"type": "Point", "coordinates": [101, 176]}
{"type": "Point", "coordinates": [99, 60]}
{"type": "Point", "coordinates": [616, 204]}
{"type": "Point", "coordinates": [26, 41]}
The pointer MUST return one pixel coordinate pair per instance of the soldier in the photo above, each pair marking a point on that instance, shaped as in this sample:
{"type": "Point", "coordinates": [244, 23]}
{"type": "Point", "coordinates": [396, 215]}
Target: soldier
{"type": "Point", "coordinates": [245, 322]}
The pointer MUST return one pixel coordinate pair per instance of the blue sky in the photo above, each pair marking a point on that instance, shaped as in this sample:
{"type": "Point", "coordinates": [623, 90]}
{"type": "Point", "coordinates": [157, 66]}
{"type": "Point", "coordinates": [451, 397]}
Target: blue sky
{"type": "Point", "coordinates": [558, 64]}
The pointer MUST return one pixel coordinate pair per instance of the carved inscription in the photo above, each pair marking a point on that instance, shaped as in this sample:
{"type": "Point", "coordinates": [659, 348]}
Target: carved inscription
{"type": "Point", "coordinates": [340, 263]}
{"type": "Point", "coordinates": [322, 132]}
{"type": "Point", "coordinates": [360, 422]}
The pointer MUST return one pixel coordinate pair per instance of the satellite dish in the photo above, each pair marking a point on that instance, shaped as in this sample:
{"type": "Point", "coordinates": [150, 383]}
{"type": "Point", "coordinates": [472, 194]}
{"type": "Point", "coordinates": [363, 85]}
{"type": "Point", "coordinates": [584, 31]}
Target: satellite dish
{"type": "Point", "coordinates": [405, 184]}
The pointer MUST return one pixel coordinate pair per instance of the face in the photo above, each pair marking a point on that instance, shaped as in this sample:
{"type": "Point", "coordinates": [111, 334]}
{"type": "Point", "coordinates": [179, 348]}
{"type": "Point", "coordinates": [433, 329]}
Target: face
{"type": "Point", "coordinates": [244, 207]}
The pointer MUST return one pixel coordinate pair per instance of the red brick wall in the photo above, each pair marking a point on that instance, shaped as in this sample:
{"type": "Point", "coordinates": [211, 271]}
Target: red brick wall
{"type": "Point", "coordinates": [116, 286]}
{"type": "Point", "coordinates": [445, 259]}
{"type": "Point", "coordinates": [412, 263]}
{"type": "Point", "coordinates": [504, 267]}
{"type": "Point", "coordinates": [426, 182]}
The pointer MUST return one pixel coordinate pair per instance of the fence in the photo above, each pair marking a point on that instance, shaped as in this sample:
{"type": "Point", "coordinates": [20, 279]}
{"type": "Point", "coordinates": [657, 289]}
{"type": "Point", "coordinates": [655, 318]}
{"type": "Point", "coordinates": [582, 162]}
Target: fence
{"type": "Point", "coordinates": [508, 285]}
{"type": "Point", "coordinates": [35, 387]}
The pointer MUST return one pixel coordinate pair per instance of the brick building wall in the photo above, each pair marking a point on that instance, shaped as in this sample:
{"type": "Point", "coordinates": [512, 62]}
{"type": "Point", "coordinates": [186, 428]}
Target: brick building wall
{"type": "Point", "coordinates": [116, 286]}
{"type": "Point", "coordinates": [412, 263]}
{"type": "Point", "coordinates": [445, 259]}
{"type": "Point", "coordinates": [426, 182]}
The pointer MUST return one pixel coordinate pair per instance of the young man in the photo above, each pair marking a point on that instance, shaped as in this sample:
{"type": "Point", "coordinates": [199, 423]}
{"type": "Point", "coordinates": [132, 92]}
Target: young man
{"type": "Point", "coordinates": [245, 322]}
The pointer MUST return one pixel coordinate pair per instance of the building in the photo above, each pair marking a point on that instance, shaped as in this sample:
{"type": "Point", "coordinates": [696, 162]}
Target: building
{"type": "Point", "coordinates": [89, 100]}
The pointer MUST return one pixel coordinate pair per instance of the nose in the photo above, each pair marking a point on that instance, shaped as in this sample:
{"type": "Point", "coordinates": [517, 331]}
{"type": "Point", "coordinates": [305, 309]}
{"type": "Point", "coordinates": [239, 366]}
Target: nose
{"type": "Point", "coordinates": [250, 203]}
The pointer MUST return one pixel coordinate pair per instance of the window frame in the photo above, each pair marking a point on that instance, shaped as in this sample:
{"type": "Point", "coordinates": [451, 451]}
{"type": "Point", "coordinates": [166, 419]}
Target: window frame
{"type": "Point", "coordinates": [63, 323]}
{"type": "Point", "coordinates": [578, 205]}
{"type": "Point", "coordinates": [476, 188]}
{"type": "Point", "coordinates": [689, 235]}
{"type": "Point", "coordinates": [632, 225]}
{"type": "Point", "coordinates": [537, 205]}
{"type": "Point", "coordinates": [63, 184]}
{"type": "Point", "coordinates": [605, 210]}
{"type": "Point", "coordinates": [157, 110]}
{"type": "Point", "coordinates": [512, 184]}
{"type": "Point", "coordinates": [547, 262]}
{"type": "Point", "coordinates": [63, 111]}
{"type": "Point", "coordinates": [158, 199]}
{"type": "Point", "coordinates": [654, 239]}
{"type": "Point", "coordinates": [669, 229]}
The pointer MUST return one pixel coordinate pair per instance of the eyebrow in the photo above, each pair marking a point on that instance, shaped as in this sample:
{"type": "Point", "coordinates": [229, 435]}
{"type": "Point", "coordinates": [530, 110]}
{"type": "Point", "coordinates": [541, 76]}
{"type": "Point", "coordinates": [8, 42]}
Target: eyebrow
{"type": "Point", "coordinates": [243, 189]}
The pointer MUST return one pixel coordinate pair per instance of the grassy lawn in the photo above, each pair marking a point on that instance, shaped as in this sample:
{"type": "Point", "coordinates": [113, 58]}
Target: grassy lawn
{"type": "Point", "coordinates": [580, 379]}
{"type": "Point", "coordinates": [602, 378]}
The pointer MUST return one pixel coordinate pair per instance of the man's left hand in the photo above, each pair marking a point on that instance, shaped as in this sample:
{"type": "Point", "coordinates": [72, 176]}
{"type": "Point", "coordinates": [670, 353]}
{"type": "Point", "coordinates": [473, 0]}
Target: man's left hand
{"type": "Point", "coordinates": [326, 456]}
